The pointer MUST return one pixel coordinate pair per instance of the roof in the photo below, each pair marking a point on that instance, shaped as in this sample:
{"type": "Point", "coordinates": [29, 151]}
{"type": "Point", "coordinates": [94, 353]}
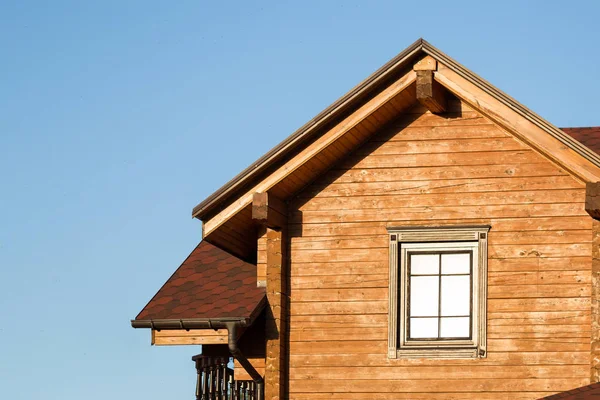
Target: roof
{"type": "Point", "coordinates": [588, 136]}
{"type": "Point", "coordinates": [586, 392]}
{"type": "Point", "coordinates": [286, 148]}
{"type": "Point", "coordinates": [211, 284]}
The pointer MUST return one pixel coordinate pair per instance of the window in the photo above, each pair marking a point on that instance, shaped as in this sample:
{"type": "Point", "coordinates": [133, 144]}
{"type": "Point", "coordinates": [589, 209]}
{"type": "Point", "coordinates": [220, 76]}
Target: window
{"type": "Point", "coordinates": [438, 285]}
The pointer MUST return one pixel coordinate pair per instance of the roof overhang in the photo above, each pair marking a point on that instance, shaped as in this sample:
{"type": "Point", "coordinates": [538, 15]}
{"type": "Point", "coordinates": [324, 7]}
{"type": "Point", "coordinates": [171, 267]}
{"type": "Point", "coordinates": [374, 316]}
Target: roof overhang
{"type": "Point", "coordinates": [199, 323]}
{"type": "Point", "coordinates": [226, 194]}
{"type": "Point", "coordinates": [210, 290]}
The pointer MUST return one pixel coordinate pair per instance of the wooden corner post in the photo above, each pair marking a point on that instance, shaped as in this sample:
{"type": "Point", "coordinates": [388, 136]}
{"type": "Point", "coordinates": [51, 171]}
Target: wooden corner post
{"type": "Point", "coordinates": [592, 206]}
{"type": "Point", "coordinates": [271, 212]}
{"type": "Point", "coordinates": [429, 92]}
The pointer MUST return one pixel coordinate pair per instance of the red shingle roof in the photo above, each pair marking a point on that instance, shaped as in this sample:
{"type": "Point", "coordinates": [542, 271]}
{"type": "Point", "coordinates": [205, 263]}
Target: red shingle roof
{"type": "Point", "coordinates": [589, 136]}
{"type": "Point", "coordinates": [588, 392]}
{"type": "Point", "coordinates": [210, 283]}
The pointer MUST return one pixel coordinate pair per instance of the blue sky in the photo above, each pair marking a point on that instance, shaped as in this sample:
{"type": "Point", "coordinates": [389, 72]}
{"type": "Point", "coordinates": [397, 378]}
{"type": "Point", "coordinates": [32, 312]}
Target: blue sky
{"type": "Point", "coordinates": [117, 117]}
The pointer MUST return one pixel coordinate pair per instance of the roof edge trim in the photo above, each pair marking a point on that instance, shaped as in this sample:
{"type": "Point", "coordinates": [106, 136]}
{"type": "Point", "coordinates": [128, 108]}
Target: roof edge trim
{"type": "Point", "coordinates": [340, 105]}
{"type": "Point", "coordinates": [199, 323]}
{"type": "Point", "coordinates": [513, 104]}
{"type": "Point", "coordinates": [186, 324]}
{"type": "Point", "coordinates": [320, 119]}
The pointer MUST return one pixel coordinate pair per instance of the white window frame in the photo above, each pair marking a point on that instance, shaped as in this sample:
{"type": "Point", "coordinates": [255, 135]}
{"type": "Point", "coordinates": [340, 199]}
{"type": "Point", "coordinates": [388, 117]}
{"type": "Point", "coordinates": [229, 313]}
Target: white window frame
{"type": "Point", "coordinates": [437, 239]}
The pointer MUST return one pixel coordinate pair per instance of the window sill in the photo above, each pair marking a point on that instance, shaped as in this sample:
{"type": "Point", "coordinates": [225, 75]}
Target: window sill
{"type": "Point", "coordinates": [438, 353]}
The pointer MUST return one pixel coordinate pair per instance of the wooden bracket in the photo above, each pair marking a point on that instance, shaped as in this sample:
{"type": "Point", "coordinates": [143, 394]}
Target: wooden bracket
{"type": "Point", "coordinates": [427, 63]}
{"type": "Point", "coordinates": [429, 92]}
{"type": "Point", "coordinates": [592, 199]}
{"type": "Point", "coordinates": [269, 211]}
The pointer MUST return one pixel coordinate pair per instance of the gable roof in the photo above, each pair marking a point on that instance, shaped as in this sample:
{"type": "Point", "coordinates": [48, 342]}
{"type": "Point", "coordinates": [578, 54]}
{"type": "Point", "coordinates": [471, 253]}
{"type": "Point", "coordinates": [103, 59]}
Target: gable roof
{"type": "Point", "coordinates": [210, 285]}
{"type": "Point", "coordinates": [356, 96]}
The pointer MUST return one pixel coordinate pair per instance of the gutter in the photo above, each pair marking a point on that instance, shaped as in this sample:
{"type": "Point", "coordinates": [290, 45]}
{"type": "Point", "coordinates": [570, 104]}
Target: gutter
{"type": "Point", "coordinates": [232, 328]}
{"type": "Point", "coordinates": [187, 324]}
{"type": "Point", "coordinates": [231, 324]}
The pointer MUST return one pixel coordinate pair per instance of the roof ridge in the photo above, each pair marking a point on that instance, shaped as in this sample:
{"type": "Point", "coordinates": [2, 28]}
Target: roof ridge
{"type": "Point", "coordinates": [357, 94]}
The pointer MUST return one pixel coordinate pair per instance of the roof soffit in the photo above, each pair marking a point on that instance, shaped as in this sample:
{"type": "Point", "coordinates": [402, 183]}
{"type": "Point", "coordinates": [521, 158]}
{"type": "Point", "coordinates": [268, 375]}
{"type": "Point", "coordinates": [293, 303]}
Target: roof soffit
{"type": "Point", "coordinates": [330, 136]}
{"type": "Point", "coordinates": [555, 147]}
{"type": "Point", "coordinates": [575, 157]}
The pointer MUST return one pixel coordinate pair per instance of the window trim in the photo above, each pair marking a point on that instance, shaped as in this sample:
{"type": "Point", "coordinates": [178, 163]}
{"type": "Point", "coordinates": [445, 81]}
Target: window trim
{"type": "Point", "coordinates": [443, 238]}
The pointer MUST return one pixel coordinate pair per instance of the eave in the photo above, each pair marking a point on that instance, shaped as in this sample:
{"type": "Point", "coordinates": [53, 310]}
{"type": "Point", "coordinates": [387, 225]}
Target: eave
{"type": "Point", "coordinates": [227, 192]}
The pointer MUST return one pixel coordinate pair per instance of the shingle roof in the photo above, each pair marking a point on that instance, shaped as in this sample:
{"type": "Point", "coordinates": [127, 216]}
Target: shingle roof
{"type": "Point", "coordinates": [210, 284]}
{"type": "Point", "coordinates": [583, 393]}
{"type": "Point", "coordinates": [588, 136]}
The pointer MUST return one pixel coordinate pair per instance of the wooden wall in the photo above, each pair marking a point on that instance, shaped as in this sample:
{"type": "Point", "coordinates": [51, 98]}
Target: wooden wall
{"type": "Point", "coordinates": [454, 169]}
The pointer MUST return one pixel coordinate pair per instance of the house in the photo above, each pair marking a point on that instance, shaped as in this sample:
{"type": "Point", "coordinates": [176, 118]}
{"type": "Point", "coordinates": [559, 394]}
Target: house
{"type": "Point", "coordinates": [424, 237]}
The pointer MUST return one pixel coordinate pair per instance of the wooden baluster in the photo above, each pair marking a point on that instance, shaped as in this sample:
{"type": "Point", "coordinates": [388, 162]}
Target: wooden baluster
{"type": "Point", "coordinates": [224, 380]}
{"type": "Point", "coordinates": [204, 379]}
{"type": "Point", "coordinates": [198, 379]}
{"type": "Point", "coordinates": [231, 387]}
{"type": "Point", "coordinates": [217, 379]}
{"type": "Point", "coordinates": [211, 382]}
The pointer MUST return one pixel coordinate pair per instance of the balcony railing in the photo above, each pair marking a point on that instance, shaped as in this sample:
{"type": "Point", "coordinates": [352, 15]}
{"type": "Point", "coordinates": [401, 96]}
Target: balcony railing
{"type": "Point", "coordinates": [216, 381]}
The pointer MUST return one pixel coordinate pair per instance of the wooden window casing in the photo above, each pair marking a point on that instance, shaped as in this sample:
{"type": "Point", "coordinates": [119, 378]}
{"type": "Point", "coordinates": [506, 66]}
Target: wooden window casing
{"type": "Point", "coordinates": [439, 240]}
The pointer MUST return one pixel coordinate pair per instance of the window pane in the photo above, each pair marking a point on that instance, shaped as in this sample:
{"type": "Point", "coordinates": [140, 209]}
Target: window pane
{"type": "Point", "coordinates": [455, 327]}
{"type": "Point", "coordinates": [424, 294]}
{"type": "Point", "coordinates": [456, 263]}
{"type": "Point", "coordinates": [423, 328]}
{"type": "Point", "coordinates": [424, 264]}
{"type": "Point", "coordinates": [456, 295]}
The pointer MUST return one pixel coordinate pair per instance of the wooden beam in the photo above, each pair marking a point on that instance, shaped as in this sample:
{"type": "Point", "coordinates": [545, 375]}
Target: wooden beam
{"type": "Point", "coordinates": [311, 150]}
{"type": "Point", "coordinates": [592, 199]}
{"type": "Point", "coordinates": [269, 211]}
{"type": "Point", "coordinates": [592, 206]}
{"type": "Point", "coordinates": [192, 337]}
{"type": "Point", "coordinates": [595, 317]}
{"type": "Point", "coordinates": [427, 63]}
{"type": "Point", "coordinates": [276, 320]}
{"type": "Point", "coordinates": [519, 126]}
{"type": "Point", "coordinates": [430, 93]}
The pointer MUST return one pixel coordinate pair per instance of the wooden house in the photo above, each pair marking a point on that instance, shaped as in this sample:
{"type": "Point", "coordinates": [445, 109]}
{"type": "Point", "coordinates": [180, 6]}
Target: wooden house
{"type": "Point", "coordinates": [424, 237]}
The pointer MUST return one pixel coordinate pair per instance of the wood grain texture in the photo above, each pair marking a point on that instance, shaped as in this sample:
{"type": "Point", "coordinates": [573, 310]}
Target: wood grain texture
{"type": "Point", "coordinates": [424, 170]}
{"type": "Point", "coordinates": [429, 92]}
{"type": "Point", "coordinates": [361, 115]}
{"type": "Point", "coordinates": [524, 129]}
{"type": "Point", "coordinates": [595, 309]}
{"type": "Point", "coordinates": [191, 337]}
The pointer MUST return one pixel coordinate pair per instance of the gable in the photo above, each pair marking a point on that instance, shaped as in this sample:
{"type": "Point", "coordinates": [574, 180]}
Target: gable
{"type": "Point", "coordinates": [428, 169]}
{"type": "Point", "coordinates": [456, 169]}
{"type": "Point", "coordinates": [355, 118]}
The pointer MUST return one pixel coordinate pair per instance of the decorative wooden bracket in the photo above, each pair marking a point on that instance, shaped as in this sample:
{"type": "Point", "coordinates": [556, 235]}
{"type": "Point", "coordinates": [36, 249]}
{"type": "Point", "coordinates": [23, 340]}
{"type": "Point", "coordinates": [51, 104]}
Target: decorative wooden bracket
{"type": "Point", "coordinates": [429, 92]}
{"type": "Point", "coordinates": [269, 211]}
{"type": "Point", "coordinates": [592, 199]}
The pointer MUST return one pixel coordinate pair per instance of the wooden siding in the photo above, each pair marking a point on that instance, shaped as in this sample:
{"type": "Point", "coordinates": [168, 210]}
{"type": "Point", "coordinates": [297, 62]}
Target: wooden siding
{"type": "Point", "coordinates": [453, 169]}
{"type": "Point", "coordinates": [193, 336]}
{"type": "Point", "coordinates": [337, 142]}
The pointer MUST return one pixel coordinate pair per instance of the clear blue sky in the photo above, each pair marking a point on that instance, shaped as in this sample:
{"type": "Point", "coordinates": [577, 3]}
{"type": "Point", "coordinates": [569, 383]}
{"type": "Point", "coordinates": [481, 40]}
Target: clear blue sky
{"type": "Point", "coordinates": [117, 117]}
